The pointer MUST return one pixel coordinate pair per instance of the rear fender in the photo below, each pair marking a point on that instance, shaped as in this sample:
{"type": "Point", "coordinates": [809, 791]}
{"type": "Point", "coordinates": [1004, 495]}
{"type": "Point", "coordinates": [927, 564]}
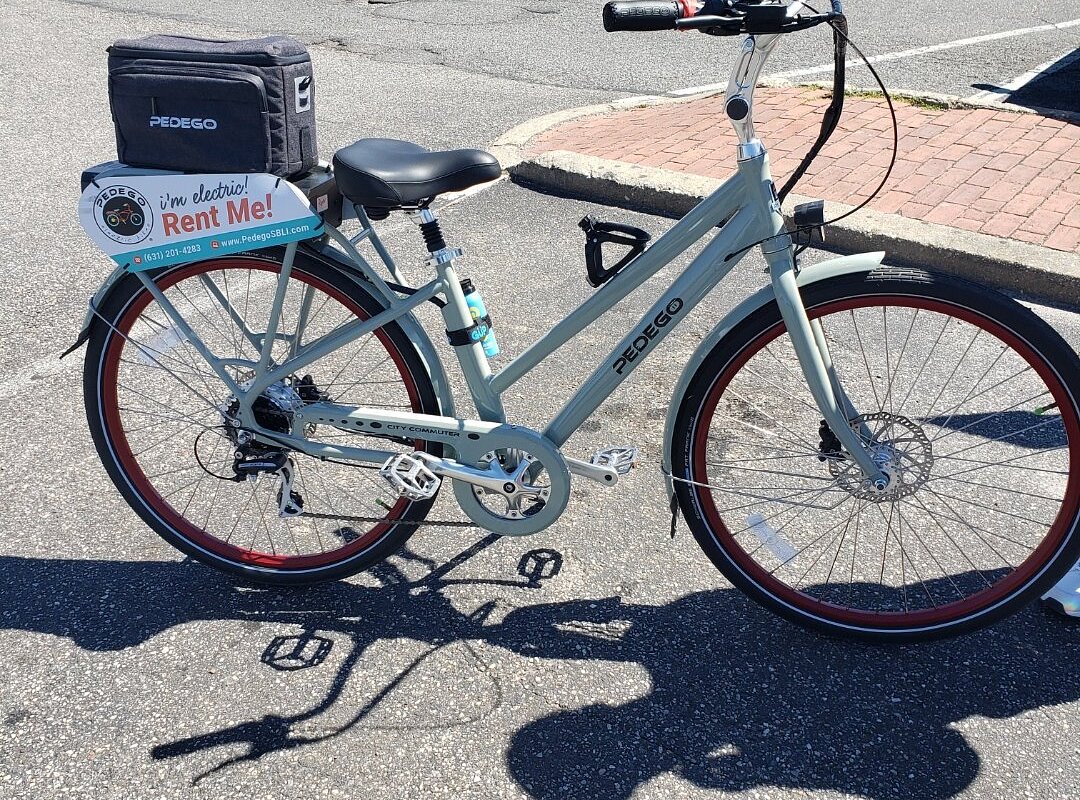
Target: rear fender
{"type": "Point", "coordinates": [417, 335]}
{"type": "Point", "coordinates": [846, 265]}
{"type": "Point", "coordinates": [100, 296]}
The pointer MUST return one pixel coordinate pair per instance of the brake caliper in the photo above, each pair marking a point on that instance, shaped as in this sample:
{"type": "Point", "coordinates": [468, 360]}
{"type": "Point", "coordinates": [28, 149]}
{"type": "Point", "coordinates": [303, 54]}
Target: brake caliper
{"type": "Point", "coordinates": [829, 446]}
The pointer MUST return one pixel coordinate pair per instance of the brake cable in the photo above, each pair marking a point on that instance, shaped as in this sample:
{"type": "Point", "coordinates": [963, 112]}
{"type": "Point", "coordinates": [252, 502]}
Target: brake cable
{"type": "Point", "coordinates": [828, 127]}
{"type": "Point", "coordinates": [831, 117]}
{"type": "Point", "coordinates": [892, 114]}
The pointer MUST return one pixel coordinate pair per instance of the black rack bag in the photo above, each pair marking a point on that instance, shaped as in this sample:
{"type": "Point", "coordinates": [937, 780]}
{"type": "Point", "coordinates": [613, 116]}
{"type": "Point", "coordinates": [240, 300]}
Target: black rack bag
{"type": "Point", "coordinates": [203, 105]}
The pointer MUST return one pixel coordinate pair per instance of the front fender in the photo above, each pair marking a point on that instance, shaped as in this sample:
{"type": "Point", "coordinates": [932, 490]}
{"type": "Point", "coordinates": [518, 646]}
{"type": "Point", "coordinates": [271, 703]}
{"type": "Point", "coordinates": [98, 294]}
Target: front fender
{"type": "Point", "coordinates": [845, 265]}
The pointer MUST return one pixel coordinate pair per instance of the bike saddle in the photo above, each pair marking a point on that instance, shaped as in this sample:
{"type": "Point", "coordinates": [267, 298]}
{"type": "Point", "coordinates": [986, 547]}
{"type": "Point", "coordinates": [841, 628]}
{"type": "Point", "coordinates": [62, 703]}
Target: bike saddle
{"type": "Point", "coordinates": [389, 173]}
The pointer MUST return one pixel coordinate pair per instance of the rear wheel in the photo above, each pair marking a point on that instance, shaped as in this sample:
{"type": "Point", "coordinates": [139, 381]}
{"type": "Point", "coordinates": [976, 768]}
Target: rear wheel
{"type": "Point", "coordinates": [966, 399]}
{"type": "Point", "coordinates": [159, 415]}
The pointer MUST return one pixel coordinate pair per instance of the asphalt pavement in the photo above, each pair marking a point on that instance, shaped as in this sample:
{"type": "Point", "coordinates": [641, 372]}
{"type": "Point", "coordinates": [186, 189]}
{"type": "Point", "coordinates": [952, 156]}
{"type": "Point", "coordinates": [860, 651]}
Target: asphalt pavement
{"type": "Point", "coordinates": [598, 659]}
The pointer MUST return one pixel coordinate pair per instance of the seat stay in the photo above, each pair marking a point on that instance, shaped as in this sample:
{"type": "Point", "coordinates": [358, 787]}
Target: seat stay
{"type": "Point", "coordinates": [368, 233]}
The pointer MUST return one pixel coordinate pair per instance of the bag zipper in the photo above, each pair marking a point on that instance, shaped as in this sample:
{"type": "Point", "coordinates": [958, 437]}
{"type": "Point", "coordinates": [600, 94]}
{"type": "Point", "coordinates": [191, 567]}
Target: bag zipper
{"type": "Point", "coordinates": [251, 59]}
{"type": "Point", "coordinates": [205, 72]}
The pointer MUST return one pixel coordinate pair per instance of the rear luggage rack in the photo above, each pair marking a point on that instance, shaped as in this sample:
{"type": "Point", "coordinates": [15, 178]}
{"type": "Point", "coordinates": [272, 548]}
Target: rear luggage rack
{"type": "Point", "coordinates": [318, 184]}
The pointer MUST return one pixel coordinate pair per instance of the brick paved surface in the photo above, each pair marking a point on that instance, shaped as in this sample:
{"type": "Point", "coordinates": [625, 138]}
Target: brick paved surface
{"type": "Point", "coordinates": [995, 172]}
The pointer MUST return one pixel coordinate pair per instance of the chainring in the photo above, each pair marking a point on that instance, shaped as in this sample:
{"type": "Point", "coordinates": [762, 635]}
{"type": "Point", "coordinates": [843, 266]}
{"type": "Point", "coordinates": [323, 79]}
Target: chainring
{"type": "Point", "coordinates": [536, 489]}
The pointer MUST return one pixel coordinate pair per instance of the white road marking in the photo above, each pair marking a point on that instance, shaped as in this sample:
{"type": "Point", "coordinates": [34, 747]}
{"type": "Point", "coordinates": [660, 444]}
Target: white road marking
{"type": "Point", "coordinates": [935, 48]}
{"type": "Point", "coordinates": [771, 538]}
{"type": "Point", "coordinates": [161, 345]}
{"type": "Point", "coordinates": [999, 93]}
{"type": "Point", "coordinates": [897, 56]}
{"type": "Point", "coordinates": [709, 87]}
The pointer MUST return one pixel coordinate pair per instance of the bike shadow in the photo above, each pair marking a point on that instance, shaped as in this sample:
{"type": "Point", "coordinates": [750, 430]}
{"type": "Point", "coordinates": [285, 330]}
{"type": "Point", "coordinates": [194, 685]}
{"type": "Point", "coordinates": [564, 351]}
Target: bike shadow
{"type": "Point", "coordinates": [741, 700]}
{"type": "Point", "coordinates": [738, 698]}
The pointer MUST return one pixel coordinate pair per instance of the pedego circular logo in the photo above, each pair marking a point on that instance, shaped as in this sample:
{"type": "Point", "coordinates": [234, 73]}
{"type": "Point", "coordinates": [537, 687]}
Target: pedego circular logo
{"type": "Point", "coordinates": [123, 214]}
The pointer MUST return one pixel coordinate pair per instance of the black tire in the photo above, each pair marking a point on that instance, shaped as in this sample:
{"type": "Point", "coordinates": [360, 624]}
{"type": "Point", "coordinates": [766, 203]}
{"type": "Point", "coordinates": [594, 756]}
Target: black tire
{"type": "Point", "coordinates": [822, 606]}
{"type": "Point", "coordinates": [406, 515]}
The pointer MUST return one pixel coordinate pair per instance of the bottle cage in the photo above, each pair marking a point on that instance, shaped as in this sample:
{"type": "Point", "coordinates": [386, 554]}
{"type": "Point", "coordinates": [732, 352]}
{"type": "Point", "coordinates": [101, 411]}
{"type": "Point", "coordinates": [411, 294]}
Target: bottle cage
{"type": "Point", "coordinates": [598, 233]}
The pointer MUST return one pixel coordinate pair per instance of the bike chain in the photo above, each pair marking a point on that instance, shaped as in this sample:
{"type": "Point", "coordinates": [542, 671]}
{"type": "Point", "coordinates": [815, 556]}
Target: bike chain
{"type": "Point", "coordinates": [437, 523]}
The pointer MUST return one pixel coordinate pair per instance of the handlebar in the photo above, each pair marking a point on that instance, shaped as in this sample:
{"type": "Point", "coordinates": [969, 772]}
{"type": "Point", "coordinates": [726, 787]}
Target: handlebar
{"type": "Point", "coordinates": [644, 15]}
{"type": "Point", "coordinates": [715, 17]}
{"type": "Point", "coordinates": [762, 21]}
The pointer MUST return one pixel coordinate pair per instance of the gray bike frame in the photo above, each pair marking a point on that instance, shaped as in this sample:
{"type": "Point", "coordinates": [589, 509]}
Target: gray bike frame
{"type": "Point", "coordinates": [746, 209]}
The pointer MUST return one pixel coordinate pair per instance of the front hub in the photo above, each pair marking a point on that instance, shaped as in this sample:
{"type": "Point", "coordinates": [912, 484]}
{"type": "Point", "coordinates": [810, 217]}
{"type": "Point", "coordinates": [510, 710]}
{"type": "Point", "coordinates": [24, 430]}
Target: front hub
{"type": "Point", "coordinates": [901, 450]}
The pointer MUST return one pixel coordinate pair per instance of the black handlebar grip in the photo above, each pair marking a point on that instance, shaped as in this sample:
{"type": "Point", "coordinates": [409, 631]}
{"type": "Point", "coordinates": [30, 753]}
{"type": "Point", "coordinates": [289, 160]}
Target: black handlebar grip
{"type": "Point", "coordinates": [642, 15]}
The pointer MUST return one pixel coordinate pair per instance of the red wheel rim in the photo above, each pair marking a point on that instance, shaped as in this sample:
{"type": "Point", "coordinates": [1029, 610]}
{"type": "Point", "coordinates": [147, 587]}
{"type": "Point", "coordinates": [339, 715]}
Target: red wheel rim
{"type": "Point", "coordinates": [159, 505]}
{"type": "Point", "coordinates": [979, 601]}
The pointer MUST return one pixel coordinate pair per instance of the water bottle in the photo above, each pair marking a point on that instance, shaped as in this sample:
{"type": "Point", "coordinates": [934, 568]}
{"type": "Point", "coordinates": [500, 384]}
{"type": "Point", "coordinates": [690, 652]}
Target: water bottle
{"type": "Point", "coordinates": [478, 311]}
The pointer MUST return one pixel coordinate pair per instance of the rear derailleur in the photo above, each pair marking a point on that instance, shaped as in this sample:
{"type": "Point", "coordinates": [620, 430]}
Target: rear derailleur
{"type": "Point", "coordinates": [252, 460]}
{"type": "Point", "coordinates": [273, 410]}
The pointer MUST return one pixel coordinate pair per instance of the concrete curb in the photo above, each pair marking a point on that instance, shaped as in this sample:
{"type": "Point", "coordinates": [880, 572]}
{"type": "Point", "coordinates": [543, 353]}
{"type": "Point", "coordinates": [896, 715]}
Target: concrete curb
{"type": "Point", "coordinates": [1027, 269]}
{"type": "Point", "coordinates": [510, 147]}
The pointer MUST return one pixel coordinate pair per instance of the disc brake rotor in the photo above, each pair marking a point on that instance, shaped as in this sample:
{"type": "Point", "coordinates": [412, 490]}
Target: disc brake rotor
{"type": "Point", "coordinates": [901, 450]}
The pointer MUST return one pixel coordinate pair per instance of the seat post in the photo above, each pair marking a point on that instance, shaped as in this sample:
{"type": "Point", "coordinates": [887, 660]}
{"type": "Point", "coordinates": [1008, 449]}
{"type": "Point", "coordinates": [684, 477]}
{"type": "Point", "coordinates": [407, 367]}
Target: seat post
{"type": "Point", "coordinates": [436, 245]}
{"type": "Point", "coordinates": [442, 259]}
{"type": "Point", "coordinates": [430, 230]}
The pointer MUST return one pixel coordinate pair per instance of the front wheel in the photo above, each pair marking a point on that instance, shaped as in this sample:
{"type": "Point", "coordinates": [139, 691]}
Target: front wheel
{"type": "Point", "coordinates": [966, 399]}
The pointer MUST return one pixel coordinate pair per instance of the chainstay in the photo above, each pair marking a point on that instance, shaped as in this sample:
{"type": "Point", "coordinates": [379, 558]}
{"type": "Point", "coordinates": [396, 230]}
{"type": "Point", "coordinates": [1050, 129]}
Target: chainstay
{"type": "Point", "coordinates": [435, 523]}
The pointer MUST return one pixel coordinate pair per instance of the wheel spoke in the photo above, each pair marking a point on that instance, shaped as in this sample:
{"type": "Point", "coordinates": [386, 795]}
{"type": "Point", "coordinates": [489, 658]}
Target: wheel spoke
{"type": "Point", "coordinates": [164, 398]}
{"type": "Point", "coordinates": [937, 542]}
{"type": "Point", "coordinates": [866, 361]}
{"type": "Point", "coordinates": [955, 369]}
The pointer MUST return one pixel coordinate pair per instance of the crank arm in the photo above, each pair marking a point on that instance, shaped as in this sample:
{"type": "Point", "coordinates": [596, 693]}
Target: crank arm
{"type": "Point", "coordinates": [594, 472]}
{"type": "Point", "coordinates": [448, 468]}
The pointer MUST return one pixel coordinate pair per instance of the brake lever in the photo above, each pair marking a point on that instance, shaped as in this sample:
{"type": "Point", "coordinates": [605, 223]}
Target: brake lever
{"type": "Point", "coordinates": [723, 26]}
{"type": "Point", "coordinates": [733, 26]}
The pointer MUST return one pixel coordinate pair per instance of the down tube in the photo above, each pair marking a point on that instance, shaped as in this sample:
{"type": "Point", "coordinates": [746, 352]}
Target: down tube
{"type": "Point", "coordinates": [696, 225]}
{"type": "Point", "coordinates": [703, 273]}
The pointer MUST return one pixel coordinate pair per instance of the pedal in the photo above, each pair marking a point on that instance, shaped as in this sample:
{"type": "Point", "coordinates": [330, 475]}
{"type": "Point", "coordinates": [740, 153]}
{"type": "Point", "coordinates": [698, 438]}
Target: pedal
{"type": "Point", "coordinates": [620, 459]}
{"type": "Point", "coordinates": [410, 477]}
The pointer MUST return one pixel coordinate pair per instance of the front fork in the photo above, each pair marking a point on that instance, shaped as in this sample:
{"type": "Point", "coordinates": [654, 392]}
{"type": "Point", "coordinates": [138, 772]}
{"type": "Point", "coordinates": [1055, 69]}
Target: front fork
{"type": "Point", "coordinates": [808, 339]}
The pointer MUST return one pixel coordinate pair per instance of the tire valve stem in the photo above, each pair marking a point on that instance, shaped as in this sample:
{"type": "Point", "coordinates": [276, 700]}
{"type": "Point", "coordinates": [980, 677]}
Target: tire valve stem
{"type": "Point", "coordinates": [1040, 410]}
